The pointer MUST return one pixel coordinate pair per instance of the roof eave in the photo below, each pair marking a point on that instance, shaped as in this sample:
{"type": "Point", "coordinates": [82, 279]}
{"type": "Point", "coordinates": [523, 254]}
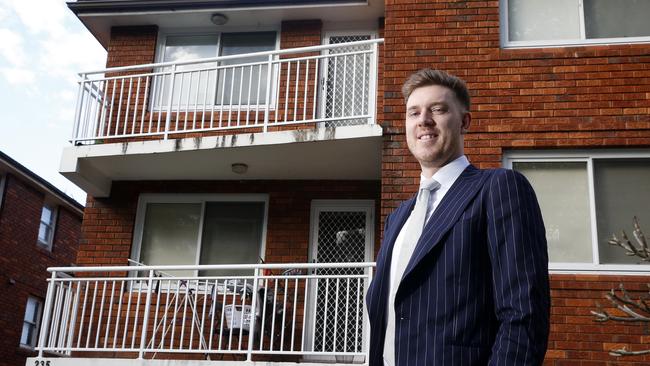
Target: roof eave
{"type": "Point", "coordinates": [118, 6]}
{"type": "Point", "coordinates": [20, 170]}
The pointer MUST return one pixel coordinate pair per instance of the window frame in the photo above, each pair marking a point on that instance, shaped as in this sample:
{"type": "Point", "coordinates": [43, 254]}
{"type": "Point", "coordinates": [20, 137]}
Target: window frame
{"type": "Point", "coordinates": [54, 209]}
{"type": "Point", "coordinates": [160, 55]}
{"type": "Point", "coordinates": [587, 156]}
{"type": "Point", "coordinates": [201, 198]}
{"type": "Point", "coordinates": [582, 41]}
{"type": "Point", "coordinates": [36, 325]}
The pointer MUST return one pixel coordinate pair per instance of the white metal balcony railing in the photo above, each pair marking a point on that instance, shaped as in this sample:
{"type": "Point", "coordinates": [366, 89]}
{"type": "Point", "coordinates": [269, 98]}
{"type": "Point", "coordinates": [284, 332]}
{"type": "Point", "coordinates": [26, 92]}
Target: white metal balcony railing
{"type": "Point", "coordinates": [334, 84]}
{"type": "Point", "coordinates": [301, 310]}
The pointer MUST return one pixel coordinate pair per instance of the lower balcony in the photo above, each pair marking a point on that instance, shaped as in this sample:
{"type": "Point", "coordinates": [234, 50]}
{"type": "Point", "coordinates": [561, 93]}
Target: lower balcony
{"type": "Point", "coordinates": [191, 315]}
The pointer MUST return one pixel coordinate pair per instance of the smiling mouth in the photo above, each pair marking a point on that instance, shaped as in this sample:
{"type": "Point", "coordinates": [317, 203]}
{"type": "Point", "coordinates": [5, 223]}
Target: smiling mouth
{"type": "Point", "coordinates": [428, 136]}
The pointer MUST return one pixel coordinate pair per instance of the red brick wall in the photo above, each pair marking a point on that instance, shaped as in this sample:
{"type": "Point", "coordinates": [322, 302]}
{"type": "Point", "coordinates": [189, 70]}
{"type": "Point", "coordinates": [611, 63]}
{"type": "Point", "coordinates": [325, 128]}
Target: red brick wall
{"type": "Point", "coordinates": [294, 34]}
{"type": "Point", "coordinates": [576, 338]}
{"type": "Point", "coordinates": [132, 46]}
{"type": "Point", "coordinates": [23, 263]}
{"type": "Point", "coordinates": [556, 98]}
{"type": "Point", "coordinates": [301, 33]}
{"type": "Point", "coordinates": [107, 230]}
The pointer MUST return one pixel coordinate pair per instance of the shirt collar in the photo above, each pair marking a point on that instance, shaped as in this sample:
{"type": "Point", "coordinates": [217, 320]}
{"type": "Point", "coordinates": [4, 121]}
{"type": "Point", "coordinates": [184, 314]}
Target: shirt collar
{"type": "Point", "coordinates": [448, 174]}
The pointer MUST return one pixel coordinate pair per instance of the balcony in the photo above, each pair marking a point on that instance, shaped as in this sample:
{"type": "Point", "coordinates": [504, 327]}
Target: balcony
{"type": "Point", "coordinates": [284, 313]}
{"type": "Point", "coordinates": [139, 118]}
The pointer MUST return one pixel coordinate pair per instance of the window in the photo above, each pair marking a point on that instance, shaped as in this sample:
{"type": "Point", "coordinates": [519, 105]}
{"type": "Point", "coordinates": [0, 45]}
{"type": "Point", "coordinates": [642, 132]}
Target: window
{"type": "Point", "coordinates": [191, 229]}
{"type": "Point", "coordinates": [585, 198]}
{"type": "Point", "coordinates": [46, 227]}
{"type": "Point", "coordinates": [223, 84]}
{"type": "Point", "coordinates": [31, 322]}
{"type": "Point", "coordinates": [567, 22]}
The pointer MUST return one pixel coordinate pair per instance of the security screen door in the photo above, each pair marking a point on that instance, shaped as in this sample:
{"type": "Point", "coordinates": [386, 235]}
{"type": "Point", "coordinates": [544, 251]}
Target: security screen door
{"type": "Point", "coordinates": [341, 232]}
{"type": "Point", "coordinates": [347, 81]}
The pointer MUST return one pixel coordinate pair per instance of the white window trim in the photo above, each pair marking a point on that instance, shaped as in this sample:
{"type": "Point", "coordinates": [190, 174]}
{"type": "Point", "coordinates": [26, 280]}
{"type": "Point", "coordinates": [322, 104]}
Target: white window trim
{"type": "Point", "coordinates": [587, 156]}
{"type": "Point", "coordinates": [37, 323]}
{"type": "Point", "coordinates": [146, 198]}
{"type": "Point", "coordinates": [160, 54]}
{"type": "Point", "coordinates": [55, 214]}
{"type": "Point", "coordinates": [583, 41]}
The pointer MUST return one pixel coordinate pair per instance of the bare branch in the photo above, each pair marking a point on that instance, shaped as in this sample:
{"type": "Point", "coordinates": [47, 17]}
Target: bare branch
{"type": "Point", "coordinates": [640, 249]}
{"type": "Point", "coordinates": [640, 238]}
{"type": "Point", "coordinates": [635, 310]}
{"type": "Point", "coordinates": [624, 352]}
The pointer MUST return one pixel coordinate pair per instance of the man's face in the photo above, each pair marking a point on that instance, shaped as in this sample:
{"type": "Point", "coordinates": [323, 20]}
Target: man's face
{"type": "Point", "coordinates": [435, 123]}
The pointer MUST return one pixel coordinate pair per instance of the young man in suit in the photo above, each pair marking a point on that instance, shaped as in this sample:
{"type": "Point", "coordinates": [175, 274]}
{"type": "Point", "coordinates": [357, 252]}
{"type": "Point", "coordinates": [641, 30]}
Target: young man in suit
{"type": "Point", "coordinates": [462, 273]}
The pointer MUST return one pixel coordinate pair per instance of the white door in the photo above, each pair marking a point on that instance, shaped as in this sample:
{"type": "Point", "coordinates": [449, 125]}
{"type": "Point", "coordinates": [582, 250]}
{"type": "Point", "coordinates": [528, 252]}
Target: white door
{"type": "Point", "coordinates": [341, 232]}
{"type": "Point", "coordinates": [346, 85]}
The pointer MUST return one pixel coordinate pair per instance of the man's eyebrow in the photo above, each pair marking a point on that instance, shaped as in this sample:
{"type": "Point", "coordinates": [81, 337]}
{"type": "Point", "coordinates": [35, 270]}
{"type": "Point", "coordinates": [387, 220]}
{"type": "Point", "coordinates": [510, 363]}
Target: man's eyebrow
{"type": "Point", "coordinates": [431, 105]}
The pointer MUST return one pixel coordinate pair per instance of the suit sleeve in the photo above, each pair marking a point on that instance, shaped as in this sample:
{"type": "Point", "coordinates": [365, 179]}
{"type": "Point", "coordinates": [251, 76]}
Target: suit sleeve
{"type": "Point", "coordinates": [519, 258]}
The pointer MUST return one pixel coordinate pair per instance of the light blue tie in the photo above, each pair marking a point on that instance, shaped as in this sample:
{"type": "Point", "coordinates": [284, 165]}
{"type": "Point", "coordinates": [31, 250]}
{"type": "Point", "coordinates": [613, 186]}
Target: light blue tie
{"type": "Point", "coordinates": [411, 237]}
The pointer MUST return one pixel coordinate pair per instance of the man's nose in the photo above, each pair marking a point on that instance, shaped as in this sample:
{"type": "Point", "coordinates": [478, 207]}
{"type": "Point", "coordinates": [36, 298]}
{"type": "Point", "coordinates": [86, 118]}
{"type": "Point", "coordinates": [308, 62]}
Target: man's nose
{"type": "Point", "coordinates": [426, 118]}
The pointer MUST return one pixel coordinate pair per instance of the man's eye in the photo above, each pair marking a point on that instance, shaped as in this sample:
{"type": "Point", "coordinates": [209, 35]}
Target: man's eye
{"type": "Point", "coordinates": [438, 110]}
{"type": "Point", "coordinates": [412, 114]}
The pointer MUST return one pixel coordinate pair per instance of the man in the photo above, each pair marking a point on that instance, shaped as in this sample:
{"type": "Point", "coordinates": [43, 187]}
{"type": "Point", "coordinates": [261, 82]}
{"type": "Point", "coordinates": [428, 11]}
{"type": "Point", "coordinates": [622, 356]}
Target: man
{"type": "Point", "coordinates": [462, 274]}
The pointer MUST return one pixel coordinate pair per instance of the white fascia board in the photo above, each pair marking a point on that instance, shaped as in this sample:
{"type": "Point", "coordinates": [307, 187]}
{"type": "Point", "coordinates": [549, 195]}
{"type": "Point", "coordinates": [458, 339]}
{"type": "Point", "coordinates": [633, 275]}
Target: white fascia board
{"type": "Point", "coordinates": [77, 163]}
{"type": "Point", "coordinates": [71, 154]}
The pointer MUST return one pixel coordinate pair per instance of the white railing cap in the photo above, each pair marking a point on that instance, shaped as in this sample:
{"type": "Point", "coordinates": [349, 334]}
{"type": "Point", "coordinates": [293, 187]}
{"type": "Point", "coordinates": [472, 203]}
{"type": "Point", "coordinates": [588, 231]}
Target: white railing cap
{"type": "Point", "coordinates": [211, 267]}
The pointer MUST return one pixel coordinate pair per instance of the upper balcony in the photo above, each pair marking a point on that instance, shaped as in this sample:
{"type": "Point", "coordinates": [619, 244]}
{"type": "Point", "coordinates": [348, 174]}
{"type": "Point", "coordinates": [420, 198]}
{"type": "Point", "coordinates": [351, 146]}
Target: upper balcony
{"type": "Point", "coordinates": [191, 120]}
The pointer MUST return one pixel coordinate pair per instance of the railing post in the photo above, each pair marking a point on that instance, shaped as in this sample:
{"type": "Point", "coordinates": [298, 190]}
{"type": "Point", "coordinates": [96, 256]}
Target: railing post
{"type": "Point", "coordinates": [169, 100]}
{"type": "Point", "coordinates": [372, 84]}
{"type": "Point", "coordinates": [366, 320]}
{"type": "Point", "coordinates": [47, 313]}
{"type": "Point", "coordinates": [269, 78]}
{"type": "Point", "coordinates": [145, 319]}
{"type": "Point", "coordinates": [77, 112]}
{"type": "Point", "coordinates": [251, 331]}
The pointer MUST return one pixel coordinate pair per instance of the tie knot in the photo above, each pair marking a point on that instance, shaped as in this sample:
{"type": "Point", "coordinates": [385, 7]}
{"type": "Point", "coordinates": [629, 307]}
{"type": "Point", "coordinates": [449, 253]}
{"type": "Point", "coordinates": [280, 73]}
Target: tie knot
{"type": "Point", "coordinates": [429, 184]}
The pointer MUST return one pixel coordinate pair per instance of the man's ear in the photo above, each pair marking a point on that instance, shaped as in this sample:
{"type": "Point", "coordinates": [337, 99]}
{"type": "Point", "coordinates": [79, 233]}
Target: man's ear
{"type": "Point", "coordinates": [467, 120]}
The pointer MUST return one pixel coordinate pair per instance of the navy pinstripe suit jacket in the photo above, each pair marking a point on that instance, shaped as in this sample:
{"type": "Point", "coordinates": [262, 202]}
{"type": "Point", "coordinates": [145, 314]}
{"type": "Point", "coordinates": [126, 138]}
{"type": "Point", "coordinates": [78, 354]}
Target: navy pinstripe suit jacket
{"type": "Point", "coordinates": [476, 290]}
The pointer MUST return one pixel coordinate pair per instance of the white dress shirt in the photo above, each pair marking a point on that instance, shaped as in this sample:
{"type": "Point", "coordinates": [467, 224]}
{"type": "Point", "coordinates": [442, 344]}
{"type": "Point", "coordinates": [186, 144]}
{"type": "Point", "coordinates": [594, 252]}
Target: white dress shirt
{"type": "Point", "coordinates": [446, 176]}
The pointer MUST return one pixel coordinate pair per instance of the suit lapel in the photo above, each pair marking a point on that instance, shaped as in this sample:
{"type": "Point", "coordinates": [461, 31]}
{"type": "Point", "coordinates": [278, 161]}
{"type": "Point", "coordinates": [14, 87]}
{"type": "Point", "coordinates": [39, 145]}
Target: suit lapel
{"type": "Point", "coordinates": [380, 284]}
{"type": "Point", "coordinates": [401, 215]}
{"type": "Point", "coordinates": [447, 213]}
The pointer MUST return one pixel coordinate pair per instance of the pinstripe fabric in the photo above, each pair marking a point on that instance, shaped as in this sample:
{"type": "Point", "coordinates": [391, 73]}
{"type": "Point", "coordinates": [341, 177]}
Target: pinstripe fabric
{"type": "Point", "coordinates": [475, 291]}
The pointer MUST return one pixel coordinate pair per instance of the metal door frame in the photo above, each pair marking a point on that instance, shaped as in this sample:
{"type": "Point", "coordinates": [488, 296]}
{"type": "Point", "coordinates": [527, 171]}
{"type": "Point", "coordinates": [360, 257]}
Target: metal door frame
{"type": "Point", "coordinates": [324, 65]}
{"type": "Point", "coordinates": [318, 206]}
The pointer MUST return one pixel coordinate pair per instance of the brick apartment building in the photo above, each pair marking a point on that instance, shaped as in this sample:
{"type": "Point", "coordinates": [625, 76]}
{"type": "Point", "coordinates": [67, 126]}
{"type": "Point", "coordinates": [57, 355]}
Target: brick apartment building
{"type": "Point", "coordinates": [40, 227]}
{"type": "Point", "coordinates": [292, 153]}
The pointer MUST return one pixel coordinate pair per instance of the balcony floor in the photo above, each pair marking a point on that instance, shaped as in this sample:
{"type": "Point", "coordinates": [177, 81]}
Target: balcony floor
{"type": "Point", "coordinates": [333, 153]}
{"type": "Point", "coordinates": [131, 362]}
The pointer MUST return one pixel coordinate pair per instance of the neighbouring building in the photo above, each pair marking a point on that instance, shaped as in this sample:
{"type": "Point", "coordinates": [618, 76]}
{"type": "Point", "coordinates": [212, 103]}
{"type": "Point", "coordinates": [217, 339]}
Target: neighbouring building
{"type": "Point", "coordinates": [40, 227]}
{"type": "Point", "coordinates": [264, 139]}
